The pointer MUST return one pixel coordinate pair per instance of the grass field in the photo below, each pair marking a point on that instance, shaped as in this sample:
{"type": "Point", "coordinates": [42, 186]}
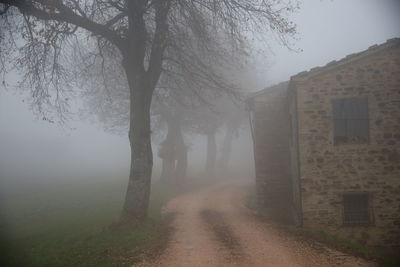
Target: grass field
{"type": "Point", "coordinates": [72, 223]}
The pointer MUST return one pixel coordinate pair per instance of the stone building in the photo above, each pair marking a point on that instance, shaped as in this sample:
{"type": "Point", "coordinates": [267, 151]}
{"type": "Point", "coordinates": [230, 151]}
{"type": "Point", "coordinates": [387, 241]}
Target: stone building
{"type": "Point", "coordinates": [327, 147]}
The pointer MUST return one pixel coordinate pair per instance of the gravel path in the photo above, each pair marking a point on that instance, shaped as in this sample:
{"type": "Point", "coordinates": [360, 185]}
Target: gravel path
{"type": "Point", "coordinates": [212, 227]}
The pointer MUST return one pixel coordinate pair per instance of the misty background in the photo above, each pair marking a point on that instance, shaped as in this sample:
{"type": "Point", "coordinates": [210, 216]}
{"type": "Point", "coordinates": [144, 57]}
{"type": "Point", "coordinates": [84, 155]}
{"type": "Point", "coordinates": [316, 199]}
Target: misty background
{"type": "Point", "coordinates": [33, 151]}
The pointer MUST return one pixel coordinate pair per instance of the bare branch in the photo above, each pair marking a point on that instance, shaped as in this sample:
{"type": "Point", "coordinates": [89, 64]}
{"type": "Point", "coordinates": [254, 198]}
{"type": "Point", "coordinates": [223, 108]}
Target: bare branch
{"type": "Point", "coordinates": [115, 19]}
{"type": "Point", "coordinates": [160, 40]}
{"type": "Point", "coordinates": [57, 11]}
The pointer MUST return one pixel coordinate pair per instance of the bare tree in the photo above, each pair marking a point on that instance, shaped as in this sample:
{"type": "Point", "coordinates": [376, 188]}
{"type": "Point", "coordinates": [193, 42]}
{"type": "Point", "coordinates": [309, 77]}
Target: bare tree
{"type": "Point", "coordinates": [233, 115]}
{"type": "Point", "coordinates": [207, 120]}
{"type": "Point", "coordinates": [173, 103]}
{"type": "Point", "coordinates": [141, 32]}
{"type": "Point", "coordinates": [173, 150]}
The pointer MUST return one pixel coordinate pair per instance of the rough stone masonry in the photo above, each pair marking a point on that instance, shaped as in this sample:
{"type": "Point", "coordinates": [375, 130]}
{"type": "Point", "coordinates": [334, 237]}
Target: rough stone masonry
{"type": "Point", "coordinates": [344, 173]}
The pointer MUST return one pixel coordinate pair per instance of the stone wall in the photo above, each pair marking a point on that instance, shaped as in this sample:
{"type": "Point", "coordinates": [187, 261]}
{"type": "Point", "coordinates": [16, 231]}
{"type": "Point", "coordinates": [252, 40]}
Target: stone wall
{"type": "Point", "coordinates": [271, 153]}
{"type": "Point", "coordinates": [294, 157]}
{"type": "Point", "coordinates": [328, 170]}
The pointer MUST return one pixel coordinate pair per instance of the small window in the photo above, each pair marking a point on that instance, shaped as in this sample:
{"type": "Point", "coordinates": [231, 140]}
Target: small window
{"type": "Point", "coordinates": [350, 119]}
{"type": "Point", "coordinates": [356, 208]}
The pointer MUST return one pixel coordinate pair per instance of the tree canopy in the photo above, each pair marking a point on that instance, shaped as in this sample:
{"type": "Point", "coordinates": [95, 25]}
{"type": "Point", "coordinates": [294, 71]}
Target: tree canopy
{"type": "Point", "coordinates": [183, 39]}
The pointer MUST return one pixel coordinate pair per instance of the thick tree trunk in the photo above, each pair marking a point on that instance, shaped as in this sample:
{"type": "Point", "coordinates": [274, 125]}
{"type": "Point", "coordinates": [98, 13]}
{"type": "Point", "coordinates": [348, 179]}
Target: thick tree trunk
{"type": "Point", "coordinates": [142, 80]}
{"type": "Point", "coordinates": [211, 153]}
{"type": "Point", "coordinates": [138, 191]}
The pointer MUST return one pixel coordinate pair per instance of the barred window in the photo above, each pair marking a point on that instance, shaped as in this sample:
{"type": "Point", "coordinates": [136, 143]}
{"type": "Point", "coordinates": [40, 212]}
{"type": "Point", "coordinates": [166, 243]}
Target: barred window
{"type": "Point", "coordinates": [356, 208]}
{"type": "Point", "coordinates": [350, 119]}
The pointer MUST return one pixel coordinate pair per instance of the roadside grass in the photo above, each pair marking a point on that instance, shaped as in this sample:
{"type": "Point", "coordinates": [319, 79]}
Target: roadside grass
{"type": "Point", "coordinates": [105, 247]}
{"type": "Point", "coordinates": [384, 256]}
{"type": "Point", "coordinates": [76, 224]}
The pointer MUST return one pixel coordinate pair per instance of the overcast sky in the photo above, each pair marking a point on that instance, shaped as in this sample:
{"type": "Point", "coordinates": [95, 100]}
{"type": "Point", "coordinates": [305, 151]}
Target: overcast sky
{"type": "Point", "coordinates": [331, 29]}
{"type": "Point", "coordinates": [327, 30]}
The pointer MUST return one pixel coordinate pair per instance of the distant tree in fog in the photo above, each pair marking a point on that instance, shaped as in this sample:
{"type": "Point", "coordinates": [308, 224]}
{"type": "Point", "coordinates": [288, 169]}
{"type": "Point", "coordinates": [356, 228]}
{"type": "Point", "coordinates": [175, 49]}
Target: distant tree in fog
{"type": "Point", "coordinates": [173, 150]}
{"type": "Point", "coordinates": [208, 120]}
{"type": "Point", "coordinates": [222, 114]}
{"type": "Point", "coordinates": [147, 37]}
{"type": "Point", "coordinates": [175, 102]}
{"type": "Point", "coordinates": [233, 117]}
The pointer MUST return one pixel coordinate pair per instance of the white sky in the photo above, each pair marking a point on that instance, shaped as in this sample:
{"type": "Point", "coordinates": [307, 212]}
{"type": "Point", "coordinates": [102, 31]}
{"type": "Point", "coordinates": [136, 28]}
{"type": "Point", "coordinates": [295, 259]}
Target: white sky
{"type": "Point", "coordinates": [331, 29]}
{"type": "Point", "coordinates": [328, 30]}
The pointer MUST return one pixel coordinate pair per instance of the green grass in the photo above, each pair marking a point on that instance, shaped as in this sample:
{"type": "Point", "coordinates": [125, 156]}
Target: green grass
{"type": "Point", "coordinates": [106, 247]}
{"type": "Point", "coordinates": [75, 224]}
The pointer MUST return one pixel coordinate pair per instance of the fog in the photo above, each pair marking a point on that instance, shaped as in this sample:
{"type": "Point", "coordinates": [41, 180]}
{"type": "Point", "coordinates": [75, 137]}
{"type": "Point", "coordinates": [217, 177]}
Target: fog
{"type": "Point", "coordinates": [35, 152]}
{"type": "Point", "coordinates": [327, 30]}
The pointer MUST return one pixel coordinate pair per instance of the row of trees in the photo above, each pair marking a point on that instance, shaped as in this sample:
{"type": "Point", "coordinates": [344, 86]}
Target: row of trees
{"type": "Point", "coordinates": [174, 110]}
{"type": "Point", "coordinates": [204, 120]}
{"type": "Point", "coordinates": [178, 46]}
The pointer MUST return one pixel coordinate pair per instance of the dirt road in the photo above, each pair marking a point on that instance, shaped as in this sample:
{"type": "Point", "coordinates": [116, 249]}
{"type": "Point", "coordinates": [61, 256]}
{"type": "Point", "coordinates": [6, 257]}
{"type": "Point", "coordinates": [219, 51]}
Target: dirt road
{"type": "Point", "coordinates": [212, 227]}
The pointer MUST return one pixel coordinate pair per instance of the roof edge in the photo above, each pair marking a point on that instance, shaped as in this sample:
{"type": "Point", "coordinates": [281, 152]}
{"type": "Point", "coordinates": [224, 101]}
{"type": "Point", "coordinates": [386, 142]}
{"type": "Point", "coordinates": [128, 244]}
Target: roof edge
{"type": "Point", "coordinates": [346, 60]}
{"type": "Point", "coordinates": [270, 89]}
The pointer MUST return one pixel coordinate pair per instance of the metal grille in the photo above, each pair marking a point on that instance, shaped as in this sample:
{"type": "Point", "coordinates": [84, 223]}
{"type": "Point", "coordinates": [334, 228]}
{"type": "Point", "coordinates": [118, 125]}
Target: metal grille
{"type": "Point", "coordinates": [356, 208]}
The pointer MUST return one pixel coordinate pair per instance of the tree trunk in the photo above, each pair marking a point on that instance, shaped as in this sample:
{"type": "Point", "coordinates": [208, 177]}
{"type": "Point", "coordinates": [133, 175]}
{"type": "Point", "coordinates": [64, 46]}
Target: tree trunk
{"type": "Point", "coordinates": [167, 150]}
{"type": "Point", "coordinates": [168, 169]}
{"type": "Point", "coordinates": [173, 151]}
{"type": "Point", "coordinates": [226, 148]}
{"type": "Point", "coordinates": [138, 191]}
{"type": "Point", "coordinates": [181, 155]}
{"type": "Point", "coordinates": [142, 83]}
{"type": "Point", "coordinates": [181, 165]}
{"type": "Point", "coordinates": [211, 153]}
